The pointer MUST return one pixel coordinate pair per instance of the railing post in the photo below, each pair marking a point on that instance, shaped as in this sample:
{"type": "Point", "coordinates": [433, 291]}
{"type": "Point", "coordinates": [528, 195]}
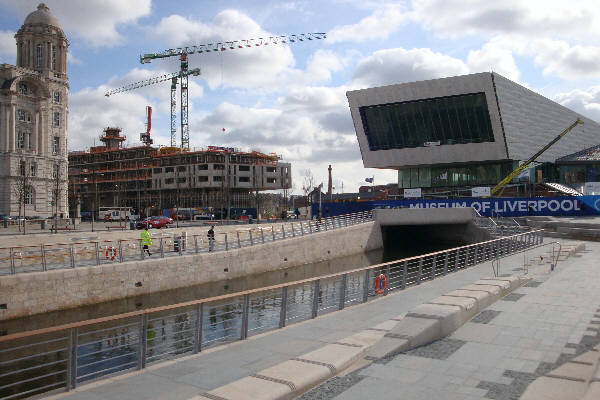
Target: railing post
{"type": "Point", "coordinates": [71, 256]}
{"type": "Point", "coordinates": [120, 250]}
{"type": "Point", "coordinates": [387, 278]}
{"type": "Point", "coordinates": [366, 285]}
{"type": "Point", "coordinates": [196, 243]}
{"type": "Point", "coordinates": [97, 253]}
{"type": "Point", "coordinates": [226, 243]}
{"type": "Point", "coordinates": [420, 273]}
{"type": "Point", "coordinates": [71, 359]}
{"type": "Point", "coordinates": [301, 228]}
{"type": "Point", "coordinates": [283, 231]}
{"type": "Point", "coordinates": [446, 263]}
{"type": "Point", "coordinates": [162, 248]}
{"type": "Point", "coordinates": [238, 239]}
{"type": "Point", "coordinates": [262, 235]}
{"type": "Point", "coordinates": [180, 240]}
{"type": "Point", "coordinates": [315, 303]}
{"type": "Point", "coordinates": [73, 350]}
{"type": "Point", "coordinates": [293, 230]}
{"type": "Point", "coordinates": [273, 232]}
{"type": "Point", "coordinates": [310, 230]}
{"type": "Point", "coordinates": [476, 254]}
{"type": "Point", "coordinates": [142, 249]}
{"type": "Point", "coordinates": [434, 266]}
{"type": "Point", "coordinates": [143, 347]}
{"type": "Point", "coordinates": [12, 261]}
{"type": "Point", "coordinates": [326, 223]}
{"type": "Point", "coordinates": [43, 257]}
{"type": "Point", "coordinates": [198, 328]}
{"type": "Point", "coordinates": [246, 311]}
{"type": "Point", "coordinates": [283, 309]}
{"type": "Point", "coordinates": [343, 291]}
{"type": "Point", "coordinates": [456, 261]}
{"type": "Point", "coordinates": [251, 241]}
{"type": "Point", "coordinates": [404, 272]}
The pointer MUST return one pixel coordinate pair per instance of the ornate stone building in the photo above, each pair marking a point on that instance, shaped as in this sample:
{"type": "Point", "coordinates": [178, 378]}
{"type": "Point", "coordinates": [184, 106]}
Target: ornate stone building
{"type": "Point", "coordinates": [33, 120]}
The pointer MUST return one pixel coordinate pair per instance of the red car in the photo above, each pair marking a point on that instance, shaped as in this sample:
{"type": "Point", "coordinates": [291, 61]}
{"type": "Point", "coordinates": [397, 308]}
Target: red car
{"type": "Point", "coordinates": [154, 222]}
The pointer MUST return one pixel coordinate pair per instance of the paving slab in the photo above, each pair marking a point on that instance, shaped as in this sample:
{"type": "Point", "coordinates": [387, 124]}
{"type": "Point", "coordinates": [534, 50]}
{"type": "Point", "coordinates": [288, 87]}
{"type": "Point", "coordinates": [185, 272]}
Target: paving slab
{"type": "Point", "coordinates": [471, 361]}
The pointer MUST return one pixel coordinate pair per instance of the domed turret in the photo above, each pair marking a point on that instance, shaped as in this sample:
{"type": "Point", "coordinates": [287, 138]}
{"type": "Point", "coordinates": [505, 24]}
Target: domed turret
{"type": "Point", "coordinates": [41, 43]}
{"type": "Point", "coordinates": [42, 16]}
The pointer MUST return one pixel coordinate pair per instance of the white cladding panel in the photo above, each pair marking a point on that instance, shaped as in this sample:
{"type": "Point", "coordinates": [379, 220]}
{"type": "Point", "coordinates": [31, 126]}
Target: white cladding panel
{"type": "Point", "coordinates": [470, 152]}
{"type": "Point", "coordinates": [531, 121]}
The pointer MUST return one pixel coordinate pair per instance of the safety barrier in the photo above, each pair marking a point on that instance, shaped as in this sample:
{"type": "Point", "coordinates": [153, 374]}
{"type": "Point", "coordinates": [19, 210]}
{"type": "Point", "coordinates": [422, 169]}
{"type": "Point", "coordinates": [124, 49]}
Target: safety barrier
{"type": "Point", "coordinates": [21, 259]}
{"type": "Point", "coordinates": [61, 357]}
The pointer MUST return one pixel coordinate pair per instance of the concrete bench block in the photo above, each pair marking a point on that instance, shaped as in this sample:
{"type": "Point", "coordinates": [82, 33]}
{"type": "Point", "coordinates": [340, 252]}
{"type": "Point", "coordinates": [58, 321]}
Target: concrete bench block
{"type": "Point", "coordinates": [513, 281]}
{"type": "Point", "coordinates": [300, 376]}
{"type": "Point", "coordinates": [337, 355]}
{"type": "Point", "coordinates": [573, 371]}
{"type": "Point", "coordinates": [503, 285]}
{"type": "Point", "coordinates": [250, 388]}
{"type": "Point", "coordinates": [417, 331]}
{"type": "Point", "coordinates": [494, 291]}
{"type": "Point", "coordinates": [593, 392]}
{"type": "Point", "coordinates": [591, 357]}
{"type": "Point", "coordinates": [386, 325]}
{"type": "Point", "coordinates": [483, 299]}
{"type": "Point", "coordinates": [388, 346]}
{"type": "Point", "coordinates": [450, 317]}
{"type": "Point", "coordinates": [363, 338]}
{"type": "Point", "coordinates": [468, 305]}
{"type": "Point", "coordinates": [545, 388]}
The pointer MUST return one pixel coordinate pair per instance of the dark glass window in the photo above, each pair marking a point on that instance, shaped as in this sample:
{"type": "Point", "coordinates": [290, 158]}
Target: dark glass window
{"type": "Point", "coordinates": [447, 120]}
{"type": "Point", "coordinates": [202, 167]}
{"type": "Point", "coordinates": [244, 179]}
{"type": "Point", "coordinates": [244, 168]}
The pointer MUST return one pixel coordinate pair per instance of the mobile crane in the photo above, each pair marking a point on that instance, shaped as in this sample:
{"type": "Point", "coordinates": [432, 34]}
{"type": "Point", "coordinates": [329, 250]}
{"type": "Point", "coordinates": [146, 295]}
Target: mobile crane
{"type": "Point", "coordinates": [517, 171]}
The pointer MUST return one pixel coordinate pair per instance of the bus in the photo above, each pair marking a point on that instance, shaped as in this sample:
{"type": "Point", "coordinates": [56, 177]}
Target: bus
{"type": "Point", "coordinates": [117, 214]}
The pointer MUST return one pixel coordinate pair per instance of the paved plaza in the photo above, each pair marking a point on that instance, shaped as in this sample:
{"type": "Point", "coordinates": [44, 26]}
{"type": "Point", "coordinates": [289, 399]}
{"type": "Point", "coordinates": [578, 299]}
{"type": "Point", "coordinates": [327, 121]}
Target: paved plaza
{"type": "Point", "coordinates": [495, 355]}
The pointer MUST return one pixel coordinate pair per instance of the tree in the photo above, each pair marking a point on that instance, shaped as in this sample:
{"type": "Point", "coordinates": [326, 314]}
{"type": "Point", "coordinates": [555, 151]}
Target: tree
{"type": "Point", "coordinates": [308, 183]}
{"type": "Point", "coordinates": [56, 191]}
{"type": "Point", "coordinates": [23, 191]}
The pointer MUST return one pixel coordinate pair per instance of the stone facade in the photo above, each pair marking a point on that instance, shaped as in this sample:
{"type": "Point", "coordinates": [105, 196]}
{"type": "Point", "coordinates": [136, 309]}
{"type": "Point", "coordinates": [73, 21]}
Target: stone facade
{"type": "Point", "coordinates": [33, 120]}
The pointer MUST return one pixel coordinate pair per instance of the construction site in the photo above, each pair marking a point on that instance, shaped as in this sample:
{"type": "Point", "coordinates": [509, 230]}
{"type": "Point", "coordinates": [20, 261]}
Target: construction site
{"type": "Point", "coordinates": [151, 179]}
{"type": "Point", "coordinates": [222, 182]}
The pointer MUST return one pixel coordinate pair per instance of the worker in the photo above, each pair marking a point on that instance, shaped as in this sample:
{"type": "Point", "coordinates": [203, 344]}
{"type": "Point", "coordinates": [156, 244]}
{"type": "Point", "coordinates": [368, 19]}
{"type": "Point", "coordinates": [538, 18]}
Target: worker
{"type": "Point", "coordinates": [146, 240]}
{"type": "Point", "coordinates": [211, 238]}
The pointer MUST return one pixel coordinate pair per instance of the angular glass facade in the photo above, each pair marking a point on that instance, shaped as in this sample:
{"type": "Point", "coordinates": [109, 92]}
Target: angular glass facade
{"type": "Point", "coordinates": [453, 176]}
{"type": "Point", "coordinates": [447, 120]}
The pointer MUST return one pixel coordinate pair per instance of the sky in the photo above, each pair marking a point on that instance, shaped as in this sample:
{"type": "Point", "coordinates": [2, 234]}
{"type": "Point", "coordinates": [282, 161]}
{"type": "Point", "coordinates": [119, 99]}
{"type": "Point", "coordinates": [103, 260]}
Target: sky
{"type": "Point", "coordinates": [291, 99]}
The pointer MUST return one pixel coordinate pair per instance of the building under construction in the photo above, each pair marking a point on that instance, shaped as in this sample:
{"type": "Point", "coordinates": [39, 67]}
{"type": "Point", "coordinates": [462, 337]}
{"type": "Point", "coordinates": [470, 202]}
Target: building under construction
{"type": "Point", "coordinates": [151, 179]}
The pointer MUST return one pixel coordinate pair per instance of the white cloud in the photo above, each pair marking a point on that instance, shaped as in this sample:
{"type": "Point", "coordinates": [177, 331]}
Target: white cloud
{"type": "Point", "coordinates": [392, 66]}
{"type": "Point", "coordinates": [384, 21]}
{"type": "Point", "coordinates": [527, 18]}
{"type": "Point", "coordinates": [72, 59]}
{"type": "Point", "coordinates": [90, 112]}
{"type": "Point", "coordinates": [559, 58]}
{"type": "Point", "coordinates": [495, 56]}
{"type": "Point", "coordinates": [95, 21]}
{"type": "Point", "coordinates": [585, 102]}
{"type": "Point", "coordinates": [8, 47]}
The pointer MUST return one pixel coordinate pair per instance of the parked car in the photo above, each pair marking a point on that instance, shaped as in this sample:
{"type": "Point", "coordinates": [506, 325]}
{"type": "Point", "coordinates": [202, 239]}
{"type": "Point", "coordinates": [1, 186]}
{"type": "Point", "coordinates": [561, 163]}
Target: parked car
{"type": "Point", "coordinates": [154, 222]}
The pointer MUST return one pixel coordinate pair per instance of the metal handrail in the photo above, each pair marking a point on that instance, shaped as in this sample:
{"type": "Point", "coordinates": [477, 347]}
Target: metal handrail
{"type": "Point", "coordinates": [554, 259]}
{"type": "Point", "coordinates": [69, 255]}
{"type": "Point", "coordinates": [95, 349]}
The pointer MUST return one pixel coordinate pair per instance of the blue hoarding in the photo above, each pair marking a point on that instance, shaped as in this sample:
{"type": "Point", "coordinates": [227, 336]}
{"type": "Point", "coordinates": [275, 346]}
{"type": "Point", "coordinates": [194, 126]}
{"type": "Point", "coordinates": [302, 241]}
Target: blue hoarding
{"type": "Point", "coordinates": [561, 206]}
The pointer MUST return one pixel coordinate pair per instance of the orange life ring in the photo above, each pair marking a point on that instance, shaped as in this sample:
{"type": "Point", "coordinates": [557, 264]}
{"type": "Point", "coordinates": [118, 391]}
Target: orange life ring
{"type": "Point", "coordinates": [380, 284]}
{"type": "Point", "coordinates": [111, 253]}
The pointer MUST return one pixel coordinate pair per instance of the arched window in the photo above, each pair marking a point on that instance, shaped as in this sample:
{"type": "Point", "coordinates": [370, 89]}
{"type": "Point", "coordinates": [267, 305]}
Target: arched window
{"type": "Point", "coordinates": [23, 88]}
{"type": "Point", "coordinates": [38, 56]}
{"type": "Point", "coordinates": [23, 116]}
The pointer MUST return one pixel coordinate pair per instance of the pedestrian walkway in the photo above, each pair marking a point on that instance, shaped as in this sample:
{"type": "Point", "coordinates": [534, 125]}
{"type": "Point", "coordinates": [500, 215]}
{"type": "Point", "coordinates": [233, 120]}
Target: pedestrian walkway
{"type": "Point", "coordinates": [193, 375]}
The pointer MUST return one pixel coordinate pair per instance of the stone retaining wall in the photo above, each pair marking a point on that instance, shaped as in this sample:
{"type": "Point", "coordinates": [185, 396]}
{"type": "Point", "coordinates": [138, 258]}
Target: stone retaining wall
{"type": "Point", "coordinates": [38, 292]}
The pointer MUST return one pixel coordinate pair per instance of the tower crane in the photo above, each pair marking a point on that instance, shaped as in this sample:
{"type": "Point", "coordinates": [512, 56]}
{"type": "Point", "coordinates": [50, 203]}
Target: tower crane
{"type": "Point", "coordinates": [157, 79]}
{"type": "Point", "coordinates": [183, 52]}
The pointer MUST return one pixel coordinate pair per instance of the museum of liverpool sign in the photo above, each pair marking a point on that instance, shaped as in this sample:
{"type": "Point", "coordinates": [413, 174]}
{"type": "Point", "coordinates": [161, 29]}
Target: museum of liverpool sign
{"type": "Point", "coordinates": [503, 206]}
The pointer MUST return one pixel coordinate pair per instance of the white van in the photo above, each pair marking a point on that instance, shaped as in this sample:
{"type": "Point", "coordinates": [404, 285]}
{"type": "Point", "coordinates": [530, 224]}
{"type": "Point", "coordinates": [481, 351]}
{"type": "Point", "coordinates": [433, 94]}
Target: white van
{"type": "Point", "coordinates": [117, 214]}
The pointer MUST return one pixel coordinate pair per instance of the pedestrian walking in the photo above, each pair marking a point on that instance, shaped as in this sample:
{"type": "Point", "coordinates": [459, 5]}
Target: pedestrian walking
{"type": "Point", "coordinates": [211, 238]}
{"type": "Point", "coordinates": [146, 240]}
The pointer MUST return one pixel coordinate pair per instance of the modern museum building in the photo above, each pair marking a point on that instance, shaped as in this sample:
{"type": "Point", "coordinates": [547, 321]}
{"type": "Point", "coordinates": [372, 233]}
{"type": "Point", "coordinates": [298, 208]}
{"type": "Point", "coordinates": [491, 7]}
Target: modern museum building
{"type": "Point", "coordinates": [448, 134]}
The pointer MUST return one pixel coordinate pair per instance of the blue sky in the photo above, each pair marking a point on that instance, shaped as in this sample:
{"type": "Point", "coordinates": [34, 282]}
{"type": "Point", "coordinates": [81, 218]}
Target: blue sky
{"type": "Point", "coordinates": [291, 99]}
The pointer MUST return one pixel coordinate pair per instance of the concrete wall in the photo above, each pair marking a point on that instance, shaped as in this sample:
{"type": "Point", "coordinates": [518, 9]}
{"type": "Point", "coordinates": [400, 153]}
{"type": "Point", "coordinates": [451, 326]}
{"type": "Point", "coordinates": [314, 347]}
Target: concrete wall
{"type": "Point", "coordinates": [38, 292]}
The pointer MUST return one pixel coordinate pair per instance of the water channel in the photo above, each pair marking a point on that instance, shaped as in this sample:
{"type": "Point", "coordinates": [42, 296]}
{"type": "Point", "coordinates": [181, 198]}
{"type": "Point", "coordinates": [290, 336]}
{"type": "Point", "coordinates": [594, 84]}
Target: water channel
{"type": "Point", "coordinates": [106, 349]}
